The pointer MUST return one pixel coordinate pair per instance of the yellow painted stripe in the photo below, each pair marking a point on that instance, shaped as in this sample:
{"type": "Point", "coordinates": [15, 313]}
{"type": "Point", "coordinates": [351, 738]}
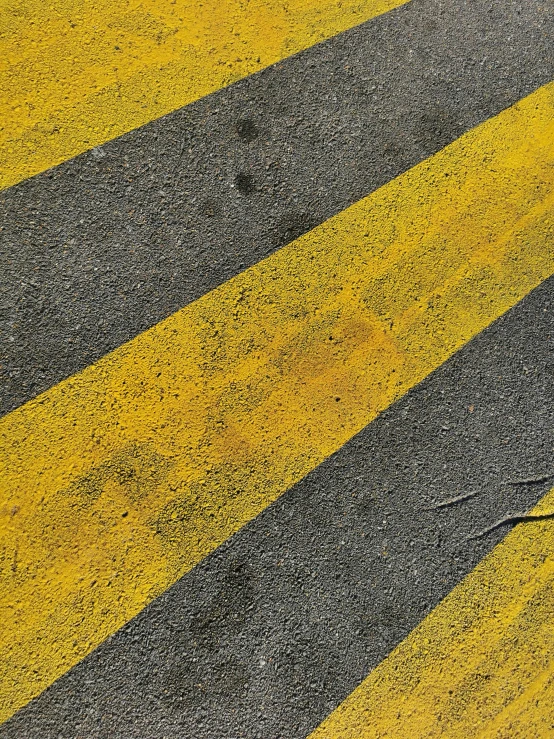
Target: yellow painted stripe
{"type": "Point", "coordinates": [123, 477]}
{"type": "Point", "coordinates": [480, 665]}
{"type": "Point", "coordinates": [74, 74]}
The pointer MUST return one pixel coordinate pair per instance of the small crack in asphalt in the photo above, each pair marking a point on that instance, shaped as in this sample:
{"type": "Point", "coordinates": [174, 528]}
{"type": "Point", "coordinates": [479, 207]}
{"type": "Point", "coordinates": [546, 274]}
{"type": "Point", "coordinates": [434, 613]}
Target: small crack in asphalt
{"type": "Point", "coordinates": [532, 480]}
{"type": "Point", "coordinates": [452, 501]}
{"type": "Point", "coordinates": [512, 521]}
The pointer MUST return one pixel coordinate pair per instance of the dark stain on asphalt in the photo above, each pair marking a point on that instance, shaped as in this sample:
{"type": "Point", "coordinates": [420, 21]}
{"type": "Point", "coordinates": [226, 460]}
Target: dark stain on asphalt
{"type": "Point", "coordinates": [293, 225]}
{"type": "Point", "coordinates": [439, 126]}
{"type": "Point", "coordinates": [228, 611]}
{"type": "Point", "coordinates": [247, 130]}
{"type": "Point", "coordinates": [245, 183]}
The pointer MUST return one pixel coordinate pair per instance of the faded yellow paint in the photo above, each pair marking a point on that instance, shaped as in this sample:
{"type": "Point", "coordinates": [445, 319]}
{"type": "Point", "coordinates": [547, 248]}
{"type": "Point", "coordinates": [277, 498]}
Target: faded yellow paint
{"type": "Point", "coordinates": [76, 73]}
{"type": "Point", "coordinates": [120, 479]}
{"type": "Point", "coordinates": [480, 665]}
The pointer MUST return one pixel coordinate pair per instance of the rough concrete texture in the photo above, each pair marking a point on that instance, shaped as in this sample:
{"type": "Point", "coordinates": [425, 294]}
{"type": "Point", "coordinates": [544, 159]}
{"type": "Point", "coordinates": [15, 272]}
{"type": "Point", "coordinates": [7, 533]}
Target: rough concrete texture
{"type": "Point", "coordinates": [268, 634]}
{"type": "Point", "coordinates": [104, 246]}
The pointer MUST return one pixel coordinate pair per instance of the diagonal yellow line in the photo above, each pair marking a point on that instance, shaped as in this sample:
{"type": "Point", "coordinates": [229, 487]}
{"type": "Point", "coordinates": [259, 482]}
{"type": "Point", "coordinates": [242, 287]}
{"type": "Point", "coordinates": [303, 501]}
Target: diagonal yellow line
{"type": "Point", "coordinates": [480, 665]}
{"type": "Point", "coordinates": [76, 74]}
{"type": "Point", "coordinates": [120, 479]}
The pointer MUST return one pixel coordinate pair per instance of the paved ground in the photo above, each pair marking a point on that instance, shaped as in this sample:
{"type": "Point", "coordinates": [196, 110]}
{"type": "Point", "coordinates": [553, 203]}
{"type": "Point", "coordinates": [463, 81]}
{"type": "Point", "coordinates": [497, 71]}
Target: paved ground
{"type": "Point", "coordinates": [268, 634]}
{"type": "Point", "coordinates": [223, 527]}
{"type": "Point", "coordinates": [106, 245]}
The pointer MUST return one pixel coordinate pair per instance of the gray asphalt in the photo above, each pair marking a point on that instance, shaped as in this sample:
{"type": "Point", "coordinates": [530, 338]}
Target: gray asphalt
{"type": "Point", "coordinates": [267, 635]}
{"type": "Point", "coordinates": [106, 245]}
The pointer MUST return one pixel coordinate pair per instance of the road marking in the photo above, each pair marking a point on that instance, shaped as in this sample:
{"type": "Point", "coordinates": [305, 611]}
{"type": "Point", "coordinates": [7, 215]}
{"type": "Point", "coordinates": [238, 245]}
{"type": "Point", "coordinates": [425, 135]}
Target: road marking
{"type": "Point", "coordinates": [60, 320]}
{"type": "Point", "coordinates": [91, 71]}
{"type": "Point", "coordinates": [480, 664]}
{"type": "Point", "coordinates": [346, 561]}
{"type": "Point", "coordinates": [122, 478]}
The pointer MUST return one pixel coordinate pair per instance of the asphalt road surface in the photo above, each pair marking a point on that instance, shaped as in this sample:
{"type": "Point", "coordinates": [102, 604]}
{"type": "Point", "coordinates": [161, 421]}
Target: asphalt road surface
{"type": "Point", "coordinates": [275, 368]}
